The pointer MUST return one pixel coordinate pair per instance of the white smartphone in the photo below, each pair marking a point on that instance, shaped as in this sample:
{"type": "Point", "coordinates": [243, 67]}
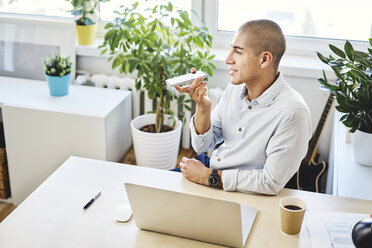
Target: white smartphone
{"type": "Point", "coordinates": [185, 78]}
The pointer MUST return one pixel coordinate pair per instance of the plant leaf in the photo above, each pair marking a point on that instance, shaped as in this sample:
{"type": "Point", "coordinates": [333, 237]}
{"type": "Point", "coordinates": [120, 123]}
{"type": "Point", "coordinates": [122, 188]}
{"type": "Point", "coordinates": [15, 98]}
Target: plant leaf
{"type": "Point", "coordinates": [337, 51]}
{"type": "Point", "coordinates": [76, 12]}
{"type": "Point", "coordinates": [322, 58]}
{"type": "Point", "coordinates": [324, 76]}
{"type": "Point", "coordinates": [360, 54]}
{"type": "Point", "coordinates": [345, 70]}
{"type": "Point", "coordinates": [358, 74]}
{"type": "Point", "coordinates": [349, 50]}
{"type": "Point", "coordinates": [195, 14]}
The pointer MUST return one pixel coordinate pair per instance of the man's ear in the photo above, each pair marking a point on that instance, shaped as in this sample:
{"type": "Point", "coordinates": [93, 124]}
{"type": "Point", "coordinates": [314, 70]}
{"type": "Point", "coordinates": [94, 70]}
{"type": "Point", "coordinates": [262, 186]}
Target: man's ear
{"type": "Point", "coordinates": [266, 59]}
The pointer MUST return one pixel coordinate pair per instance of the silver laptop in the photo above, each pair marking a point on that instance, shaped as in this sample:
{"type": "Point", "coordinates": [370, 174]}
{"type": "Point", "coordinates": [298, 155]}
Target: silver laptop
{"type": "Point", "coordinates": [190, 216]}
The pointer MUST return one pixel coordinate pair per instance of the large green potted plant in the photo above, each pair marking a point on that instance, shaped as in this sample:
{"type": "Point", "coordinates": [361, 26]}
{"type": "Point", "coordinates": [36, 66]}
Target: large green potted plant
{"type": "Point", "coordinates": [58, 74]}
{"type": "Point", "coordinates": [86, 16]}
{"type": "Point", "coordinates": [157, 44]}
{"type": "Point", "coordinates": [353, 91]}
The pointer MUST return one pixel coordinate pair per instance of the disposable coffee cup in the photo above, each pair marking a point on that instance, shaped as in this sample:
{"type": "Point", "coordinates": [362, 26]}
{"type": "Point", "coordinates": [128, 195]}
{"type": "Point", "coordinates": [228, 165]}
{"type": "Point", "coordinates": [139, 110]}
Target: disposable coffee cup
{"type": "Point", "coordinates": [292, 212]}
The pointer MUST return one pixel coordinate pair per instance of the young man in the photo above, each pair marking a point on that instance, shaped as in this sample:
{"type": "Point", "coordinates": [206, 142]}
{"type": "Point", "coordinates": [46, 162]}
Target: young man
{"type": "Point", "coordinates": [264, 124]}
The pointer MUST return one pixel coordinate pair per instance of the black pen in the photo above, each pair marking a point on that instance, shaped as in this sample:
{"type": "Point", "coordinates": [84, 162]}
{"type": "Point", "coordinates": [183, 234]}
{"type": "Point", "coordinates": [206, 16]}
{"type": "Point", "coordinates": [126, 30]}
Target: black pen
{"type": "Point", "coordinates": [92, 200]}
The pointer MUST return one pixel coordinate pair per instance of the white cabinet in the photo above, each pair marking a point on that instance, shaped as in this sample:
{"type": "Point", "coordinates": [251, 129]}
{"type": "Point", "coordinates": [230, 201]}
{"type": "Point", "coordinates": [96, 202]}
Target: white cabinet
{"type": "Point", "coordinates": [349, 178]}
{"type": "Point", "coordinates": [42, 131]}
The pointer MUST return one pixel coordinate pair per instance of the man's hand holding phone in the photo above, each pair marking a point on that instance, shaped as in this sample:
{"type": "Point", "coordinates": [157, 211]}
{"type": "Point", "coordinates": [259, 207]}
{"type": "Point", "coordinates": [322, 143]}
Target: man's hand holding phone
{"type": "Point", "coordinates": [197, 91]}
{"type": "Point", "coordinates": [187, 78]}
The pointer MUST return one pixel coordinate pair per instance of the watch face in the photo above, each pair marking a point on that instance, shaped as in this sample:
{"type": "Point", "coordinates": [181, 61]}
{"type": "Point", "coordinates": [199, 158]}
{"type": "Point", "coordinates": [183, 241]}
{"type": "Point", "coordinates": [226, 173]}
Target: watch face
{"type": "Point", "coordinates": [213, 180]}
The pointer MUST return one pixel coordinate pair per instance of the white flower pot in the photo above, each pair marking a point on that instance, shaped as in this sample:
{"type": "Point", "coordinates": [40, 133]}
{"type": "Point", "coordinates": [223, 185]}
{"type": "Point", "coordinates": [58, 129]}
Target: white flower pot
{"type": "Point", "coordinates": [362, 147]}
{"type": "Point", "coordinates": [156, 150]}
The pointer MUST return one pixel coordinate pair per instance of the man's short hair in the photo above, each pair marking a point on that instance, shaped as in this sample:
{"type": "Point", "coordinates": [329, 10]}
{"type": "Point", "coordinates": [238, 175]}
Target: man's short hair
{"type": "Point", "coordinates": [266, 36]}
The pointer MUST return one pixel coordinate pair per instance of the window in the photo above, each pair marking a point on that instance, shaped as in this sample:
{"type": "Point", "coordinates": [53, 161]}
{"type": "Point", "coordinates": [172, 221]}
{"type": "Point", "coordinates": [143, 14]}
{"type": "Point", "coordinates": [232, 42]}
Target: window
{"type": "Point", "coordinates": [308, 25]}
{"type": "Point", "coordinates": [331, 19]}
{"type": "Point", "coordinates": [106, 9]}
{"type": "Point", "coordinates": [36, 7]}
{"type": "Point", "coordinates": [60, 7]}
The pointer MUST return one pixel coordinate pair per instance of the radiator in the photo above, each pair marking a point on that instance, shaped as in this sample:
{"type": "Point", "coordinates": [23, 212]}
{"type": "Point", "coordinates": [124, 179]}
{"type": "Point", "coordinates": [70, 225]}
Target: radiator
{"type": "Point", "coordinates": [141, 104]}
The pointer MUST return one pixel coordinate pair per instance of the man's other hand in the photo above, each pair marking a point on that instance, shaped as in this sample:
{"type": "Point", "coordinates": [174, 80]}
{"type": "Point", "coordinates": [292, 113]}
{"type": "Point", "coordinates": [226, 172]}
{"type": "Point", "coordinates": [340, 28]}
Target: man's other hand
{"type": "Point", "coordinates": [195, 171]}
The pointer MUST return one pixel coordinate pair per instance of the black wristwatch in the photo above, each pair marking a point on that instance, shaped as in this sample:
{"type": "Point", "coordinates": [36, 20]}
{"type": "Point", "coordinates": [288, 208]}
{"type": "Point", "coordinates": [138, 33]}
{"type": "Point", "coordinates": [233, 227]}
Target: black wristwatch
{"type": "Point", "coordinates": [214, 180]}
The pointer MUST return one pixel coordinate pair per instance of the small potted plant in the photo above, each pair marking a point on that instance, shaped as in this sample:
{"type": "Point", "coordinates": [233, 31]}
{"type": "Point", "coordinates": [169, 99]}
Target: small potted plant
{"type": "Point", "coordinates": [157, 44]}
{"type": "Point", "coordinates": [58, 74]}
{"type": "Point", "coordinates": [86, 16]}
{"type": "Point", "coordinates": [353, 91]}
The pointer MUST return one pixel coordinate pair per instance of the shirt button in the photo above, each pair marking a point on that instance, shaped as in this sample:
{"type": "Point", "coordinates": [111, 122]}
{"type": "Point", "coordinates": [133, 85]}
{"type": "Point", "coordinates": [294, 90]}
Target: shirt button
{"type": "Point", "coordinates": [240, 129]}
{"type": "Point", "coordinates": [250, 107]}
{"type": "Point", "coordinates": [218, 159]}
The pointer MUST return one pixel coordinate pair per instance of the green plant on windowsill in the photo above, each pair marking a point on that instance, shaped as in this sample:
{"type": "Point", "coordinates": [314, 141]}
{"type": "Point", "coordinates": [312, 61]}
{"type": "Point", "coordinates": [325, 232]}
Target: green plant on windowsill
{"type": "Point", "coordinates": [86, 15]}
{"type": "Point", "coordinates": [85, 11]}
{"type": "Point", "coordinates": [158, 43]}
{"type": "Point", "coordinates": [353, 87]}
{"type": "Point", "coordinates": [57, 65]}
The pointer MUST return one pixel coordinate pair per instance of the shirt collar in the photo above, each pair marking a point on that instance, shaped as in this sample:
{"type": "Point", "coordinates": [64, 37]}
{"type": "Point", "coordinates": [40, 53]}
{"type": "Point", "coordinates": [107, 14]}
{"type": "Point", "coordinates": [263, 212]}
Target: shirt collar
{"type": "Point", "coordinates": [244, 93]}
{"type": "Point", "coordinates": [269, 94]}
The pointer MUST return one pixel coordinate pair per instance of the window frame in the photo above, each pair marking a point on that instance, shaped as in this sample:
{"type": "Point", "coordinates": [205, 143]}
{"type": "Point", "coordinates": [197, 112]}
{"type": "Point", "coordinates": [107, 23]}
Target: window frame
{"type": "Point", "coordinates": [207, 11]}
{"type": "Point", "coordinates": [296, 45]}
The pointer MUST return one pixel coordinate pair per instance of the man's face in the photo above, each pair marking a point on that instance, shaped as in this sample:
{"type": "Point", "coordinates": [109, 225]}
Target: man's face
{"type": "Point", "coordinates": [244, 64]}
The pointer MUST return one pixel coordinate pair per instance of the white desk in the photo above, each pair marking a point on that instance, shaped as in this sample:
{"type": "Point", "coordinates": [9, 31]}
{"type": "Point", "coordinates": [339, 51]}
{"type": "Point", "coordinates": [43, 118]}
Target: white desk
{"type": "Point", "coordinates": [42, 131]}
{"type": "Point", "coordinates": [349, 178]}
{"type": "Point", "coordinates": [52, 215]}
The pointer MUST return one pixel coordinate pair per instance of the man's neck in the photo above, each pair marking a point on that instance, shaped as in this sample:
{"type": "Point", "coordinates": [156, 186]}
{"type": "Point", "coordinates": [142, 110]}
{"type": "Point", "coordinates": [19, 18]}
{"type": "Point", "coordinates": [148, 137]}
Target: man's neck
{"type": "Point", "coordinates": [260, 85]}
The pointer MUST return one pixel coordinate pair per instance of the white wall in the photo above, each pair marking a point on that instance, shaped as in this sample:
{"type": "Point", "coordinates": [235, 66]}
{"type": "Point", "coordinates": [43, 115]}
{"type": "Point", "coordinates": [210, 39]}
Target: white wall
{"type": "Point", "coordinates": [95, 65]}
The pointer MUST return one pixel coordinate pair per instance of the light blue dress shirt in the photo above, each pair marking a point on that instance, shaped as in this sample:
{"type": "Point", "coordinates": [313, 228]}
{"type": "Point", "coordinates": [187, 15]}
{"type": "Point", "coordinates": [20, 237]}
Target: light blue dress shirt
{"type": "Point", "coordinates": [265, 139]}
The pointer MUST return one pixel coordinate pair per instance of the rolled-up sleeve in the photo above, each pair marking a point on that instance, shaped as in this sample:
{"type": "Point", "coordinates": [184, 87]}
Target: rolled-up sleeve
{"type": "Point", "coordinates": [230, 179]}
{"type": "Point", "coordinates": [285, 151]}
{"type": "Point", "coordinates": [201, 142]}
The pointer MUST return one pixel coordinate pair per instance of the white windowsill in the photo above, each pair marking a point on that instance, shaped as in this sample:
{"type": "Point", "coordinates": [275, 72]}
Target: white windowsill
{"type": "Point", "coordinates": [291, 64]}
